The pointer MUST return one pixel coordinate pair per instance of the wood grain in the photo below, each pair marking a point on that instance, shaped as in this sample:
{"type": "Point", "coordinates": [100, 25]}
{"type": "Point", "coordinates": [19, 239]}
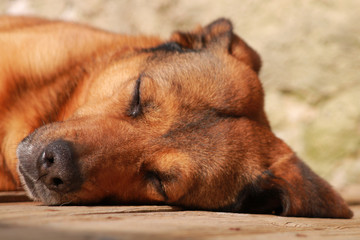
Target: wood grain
{"type": "Point", "coordinates": [34, 221]}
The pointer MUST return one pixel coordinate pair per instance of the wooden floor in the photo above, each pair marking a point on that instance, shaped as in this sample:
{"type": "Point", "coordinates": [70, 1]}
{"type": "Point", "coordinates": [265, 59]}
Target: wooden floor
{"type": "Point", "coordinates": [28, 220]}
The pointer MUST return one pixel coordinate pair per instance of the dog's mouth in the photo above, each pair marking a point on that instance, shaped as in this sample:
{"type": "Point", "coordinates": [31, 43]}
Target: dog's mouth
{"type": "Point", "coordinates": [28, 183]}
{"type": "Point", "coordinates": [49, 174]}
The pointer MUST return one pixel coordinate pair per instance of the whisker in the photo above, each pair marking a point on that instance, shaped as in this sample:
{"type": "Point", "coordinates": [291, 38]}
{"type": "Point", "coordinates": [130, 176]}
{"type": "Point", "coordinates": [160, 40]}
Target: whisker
{"type": "Point", "coordinates": [65, 203]}
{"type": "Point", "coordinates": [41, 177]}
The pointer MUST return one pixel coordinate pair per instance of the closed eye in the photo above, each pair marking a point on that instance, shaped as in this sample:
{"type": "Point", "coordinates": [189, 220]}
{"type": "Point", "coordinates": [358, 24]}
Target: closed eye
{"type": "Point", "coordinates": [135, 106]}
{"type": "Point", "coordinates": [155, 179]}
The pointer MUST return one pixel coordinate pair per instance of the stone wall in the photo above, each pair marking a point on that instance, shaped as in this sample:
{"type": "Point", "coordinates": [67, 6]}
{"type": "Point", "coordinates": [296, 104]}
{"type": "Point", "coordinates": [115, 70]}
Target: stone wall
{"type": "Point", "coordinates": [311, 61]}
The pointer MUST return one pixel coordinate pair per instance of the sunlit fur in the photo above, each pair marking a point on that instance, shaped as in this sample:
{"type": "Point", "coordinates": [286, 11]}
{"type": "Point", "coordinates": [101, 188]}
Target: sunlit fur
{"type": "Point", "coordinates": [180, 124]}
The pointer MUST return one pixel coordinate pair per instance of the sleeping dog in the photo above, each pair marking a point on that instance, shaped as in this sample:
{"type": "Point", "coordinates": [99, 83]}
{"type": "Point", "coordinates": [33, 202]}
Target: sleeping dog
{"type": "Point", "coordinates": [92, 117]}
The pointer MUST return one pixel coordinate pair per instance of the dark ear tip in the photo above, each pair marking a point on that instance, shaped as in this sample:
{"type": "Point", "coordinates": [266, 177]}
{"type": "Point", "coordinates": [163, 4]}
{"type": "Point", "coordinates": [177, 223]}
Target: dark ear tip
{"type": "Point", "coordinates": [346, 213]}
{"type": "Point", "coordinates": [350, 214]}
{"type": "Point", "coordinates": [222, 25]}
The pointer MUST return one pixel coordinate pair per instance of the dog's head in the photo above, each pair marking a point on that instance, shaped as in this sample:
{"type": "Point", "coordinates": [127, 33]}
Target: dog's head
{"type": "Point", "coordinates": [182, 123]}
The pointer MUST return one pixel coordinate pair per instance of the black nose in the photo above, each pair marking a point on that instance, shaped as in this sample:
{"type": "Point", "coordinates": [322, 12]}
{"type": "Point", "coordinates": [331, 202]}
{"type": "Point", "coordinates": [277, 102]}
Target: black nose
{"type": "Point", "coordinates": [57, 167]}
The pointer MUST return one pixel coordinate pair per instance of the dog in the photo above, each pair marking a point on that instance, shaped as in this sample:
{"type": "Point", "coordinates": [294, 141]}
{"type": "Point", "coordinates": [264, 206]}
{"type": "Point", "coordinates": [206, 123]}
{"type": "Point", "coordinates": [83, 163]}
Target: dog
{"type": "Point", "coordinates": [93, 117]}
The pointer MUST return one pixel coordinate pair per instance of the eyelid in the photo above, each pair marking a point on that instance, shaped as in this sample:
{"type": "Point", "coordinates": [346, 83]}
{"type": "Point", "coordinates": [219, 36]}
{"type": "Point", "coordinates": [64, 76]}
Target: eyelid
{"type": "Point", "coordinates": [156, 180]}
{"type": "Point", "coordinates": [135, 106]}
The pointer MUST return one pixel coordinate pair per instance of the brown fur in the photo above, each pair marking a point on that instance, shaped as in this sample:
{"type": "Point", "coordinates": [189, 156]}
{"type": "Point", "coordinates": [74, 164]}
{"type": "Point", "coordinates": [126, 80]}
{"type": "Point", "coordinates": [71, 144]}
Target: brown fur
{"type": "Point", "coordinates": [136, 121]}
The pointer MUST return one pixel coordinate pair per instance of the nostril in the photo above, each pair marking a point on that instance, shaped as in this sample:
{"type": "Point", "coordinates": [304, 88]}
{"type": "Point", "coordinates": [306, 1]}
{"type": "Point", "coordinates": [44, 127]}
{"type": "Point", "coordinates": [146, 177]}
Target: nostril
{"type": "Point", "coordinates": [57, 182]}
{"type": "Point", "coordinates": [48, 158]}
{"type": "Point", "coordinates": [59, 168]}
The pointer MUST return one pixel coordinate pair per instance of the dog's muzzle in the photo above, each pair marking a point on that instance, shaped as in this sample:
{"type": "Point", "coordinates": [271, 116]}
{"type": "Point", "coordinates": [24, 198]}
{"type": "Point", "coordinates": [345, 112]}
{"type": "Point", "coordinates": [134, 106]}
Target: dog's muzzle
{"type": "Point", "coordinates": [52, 169]}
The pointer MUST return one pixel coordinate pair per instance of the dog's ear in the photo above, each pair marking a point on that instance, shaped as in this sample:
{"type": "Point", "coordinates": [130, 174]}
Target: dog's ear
{"type": "Point", "coordinates": [290, 188]}
{"type": "Point", "coordinates": [219, 35]}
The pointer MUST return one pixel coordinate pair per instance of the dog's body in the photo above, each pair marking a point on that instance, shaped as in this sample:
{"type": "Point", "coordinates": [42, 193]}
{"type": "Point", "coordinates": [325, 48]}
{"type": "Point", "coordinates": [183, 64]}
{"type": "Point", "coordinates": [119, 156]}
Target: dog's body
{"type": "Point", "coordinates": [112, 118]}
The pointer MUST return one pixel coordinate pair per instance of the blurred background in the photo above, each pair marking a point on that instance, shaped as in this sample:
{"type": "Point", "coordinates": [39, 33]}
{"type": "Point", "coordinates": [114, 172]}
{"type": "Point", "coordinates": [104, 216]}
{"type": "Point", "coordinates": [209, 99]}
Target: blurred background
{"type": "Point", "coordinates": [311, 62]}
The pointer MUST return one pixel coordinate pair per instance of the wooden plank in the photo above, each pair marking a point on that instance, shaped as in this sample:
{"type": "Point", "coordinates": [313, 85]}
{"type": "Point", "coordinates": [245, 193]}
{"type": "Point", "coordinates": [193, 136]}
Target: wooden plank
{"type": "Point", "coordinates": [34, 221]}
{"type": "Point", "coordinates": [15, 196]}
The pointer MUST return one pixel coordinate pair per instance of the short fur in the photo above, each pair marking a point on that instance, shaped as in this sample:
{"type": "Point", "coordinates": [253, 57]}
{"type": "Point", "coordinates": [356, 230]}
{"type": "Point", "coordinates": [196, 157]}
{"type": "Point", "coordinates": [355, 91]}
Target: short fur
{"type": "Point", "coordinates": [134, 119]}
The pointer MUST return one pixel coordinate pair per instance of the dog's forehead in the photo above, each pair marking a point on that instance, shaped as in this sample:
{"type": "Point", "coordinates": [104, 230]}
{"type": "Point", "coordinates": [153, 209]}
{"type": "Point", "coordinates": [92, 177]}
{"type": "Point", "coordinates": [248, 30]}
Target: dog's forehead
{"type": "Point", "coordinates": [194, 68]}
{"type": "Point", "coordinates": [205, 80]}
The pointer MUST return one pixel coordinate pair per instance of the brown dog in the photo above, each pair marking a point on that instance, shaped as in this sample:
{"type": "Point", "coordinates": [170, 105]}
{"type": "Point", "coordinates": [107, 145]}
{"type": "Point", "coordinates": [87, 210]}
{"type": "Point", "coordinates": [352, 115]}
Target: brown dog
{"type": "Point", "coordinates": [112, 118]}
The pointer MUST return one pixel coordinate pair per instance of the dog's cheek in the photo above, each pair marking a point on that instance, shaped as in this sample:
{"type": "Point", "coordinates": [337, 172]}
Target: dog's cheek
{"type": "Point", "coordinates": [174, 175]}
